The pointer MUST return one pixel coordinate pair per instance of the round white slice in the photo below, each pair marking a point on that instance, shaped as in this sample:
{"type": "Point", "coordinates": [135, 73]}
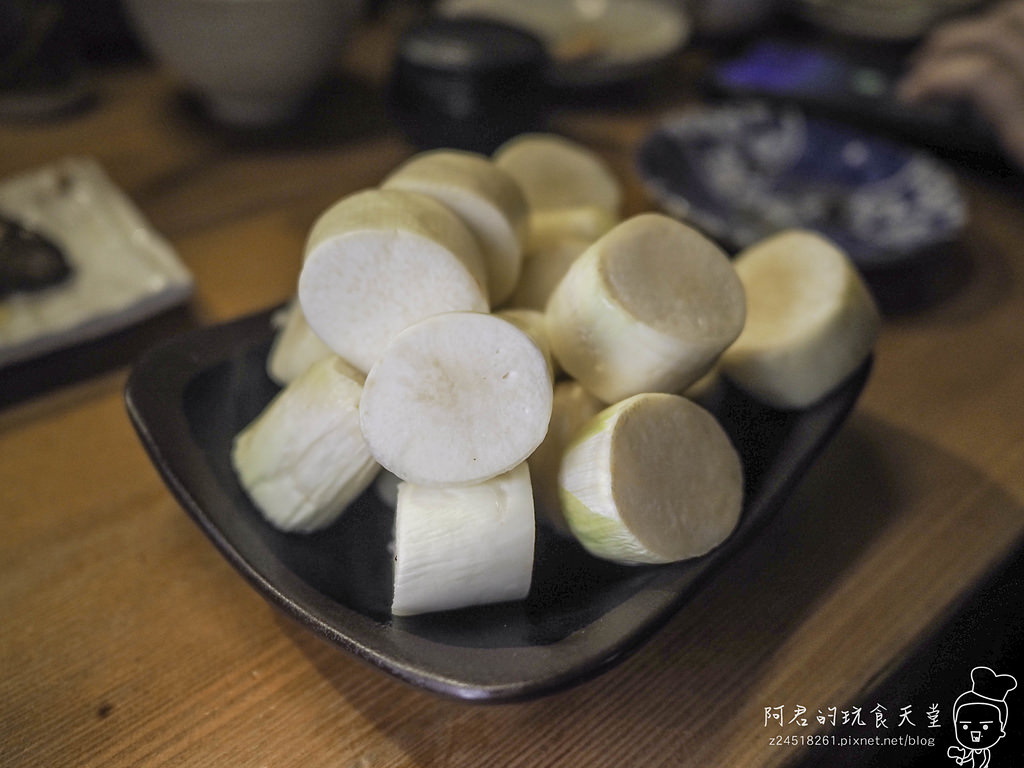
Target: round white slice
{"type": "Point", "coordinates": [378, 261]}
{"type": "Point", "coordinates": [572, 407]}
{"type": "Point", "coordinates": [295, 348]}
{"type": "Point", "coordinates": [811, 320]}
{"type": "Point", "coordinates": [651, 479]}
{"type": "Point", "coordinates": [456, 398]}
{"type": "Point", "coordinates": [304, 459]}
{"type": "Point", "coordinates": [485, 197]}
{"type": "Point", "coordinates": [461, 546]}
{"type": "Point", "coordinates": [649, 307]}
{"type": "Point", "coordinates": [555, 172]}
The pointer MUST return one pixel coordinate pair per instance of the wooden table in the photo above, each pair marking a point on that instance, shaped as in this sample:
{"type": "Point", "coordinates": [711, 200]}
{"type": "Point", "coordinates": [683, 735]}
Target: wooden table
{"type": "Point", "coordinates": [126, 640]}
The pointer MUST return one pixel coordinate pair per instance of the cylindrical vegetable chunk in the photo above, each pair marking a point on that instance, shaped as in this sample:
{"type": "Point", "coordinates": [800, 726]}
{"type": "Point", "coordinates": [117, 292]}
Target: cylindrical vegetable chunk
{"type": "Point", "coordinates": [303, 459]}
{"type": "Point", "coordinates": [456, 399]}
{"type": "Point", "coordinates": [651, 479]}
{"type": "Point", "coordinates": [378, 261]}
{"type": "Point", "coordinates": [555, 172]}
{"type": "Point", "coordinates": [649, 307]}
{"type": "Point", "coordinates": [486, 198]}
{"type": "Point", "coordinates": [532, 323]}
{"type": "Point", "coordinates": [296, 347]}
{"type": "Point", "coordinates": [462, 546]}
{"type": "Point", "coordinates": [543, 269]}
{"type": "Point", "coordinates": [572, 407]}
{"type": "Point", "coordinates": [811, 320]}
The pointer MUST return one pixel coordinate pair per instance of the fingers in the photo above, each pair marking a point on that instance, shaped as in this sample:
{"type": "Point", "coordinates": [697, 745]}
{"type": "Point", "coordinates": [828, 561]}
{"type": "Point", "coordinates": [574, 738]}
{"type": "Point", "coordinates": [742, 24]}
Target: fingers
{"type": "Point", "coordinates": [999, 36]}
{"type": "Point", "coordinates": [979, 61]}
{"type": "Point", "coordinates": [994, 91]}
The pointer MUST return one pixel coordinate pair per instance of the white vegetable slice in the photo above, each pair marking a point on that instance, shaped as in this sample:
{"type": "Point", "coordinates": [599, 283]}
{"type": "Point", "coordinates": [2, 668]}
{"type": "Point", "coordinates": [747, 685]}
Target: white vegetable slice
{"type": "Point", "coordinates": [532, 323]}
{"type": "Point", "coordinates": [543, 269]}
{"type": "Point", "coordinates": [296, 348]}
{"type": "Point", "coordinates": [651, 479]}
{"type": "Point", "coordinates": [461, 546]}
{"type": "Point", "coordinates": [556, 238]}
{"type": "Point", "coordinates": [303, 459]}
{"type": "Point", "coordinates": [378, 261]}
{"type": "Point", "coordinates": [571, 409]}
{"type": "Point", "coordinates": [649, 307]}
{"type": "Point", "coordinates": [551, 226]}
{"type": "Point", "coordinates": [811, 320]}
{"type": "Point", "coordinates": [456, 399]}
{"type": "Point", "coordinates": [555, 172]}
{"type": "Point", "coordinates": [485, 197]}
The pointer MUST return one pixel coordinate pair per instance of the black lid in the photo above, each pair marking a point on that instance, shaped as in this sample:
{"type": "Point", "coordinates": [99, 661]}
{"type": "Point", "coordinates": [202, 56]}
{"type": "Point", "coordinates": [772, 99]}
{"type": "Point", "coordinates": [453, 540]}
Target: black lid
{"type": "Point", "coordinates": [470, 45]}
{"type": "Point", "coordinates": [468, 83]}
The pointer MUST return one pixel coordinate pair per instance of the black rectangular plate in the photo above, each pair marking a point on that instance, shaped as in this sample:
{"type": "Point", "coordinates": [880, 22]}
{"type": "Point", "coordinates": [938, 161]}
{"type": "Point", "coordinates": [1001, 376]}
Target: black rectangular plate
{"type": "Point", "coordinates": [190, 396]}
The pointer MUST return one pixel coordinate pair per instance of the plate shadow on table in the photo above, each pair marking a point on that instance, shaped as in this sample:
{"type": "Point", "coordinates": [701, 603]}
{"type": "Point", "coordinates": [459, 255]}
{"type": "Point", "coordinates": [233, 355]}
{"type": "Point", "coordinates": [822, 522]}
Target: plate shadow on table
{"type": "Point", "coordinates": [951, 283]}
{"type": "Point", "coordinates": [929, 280]}
{"type": "Point", "coordinates": [750, 608]}
{"type": "Point", "coordinates": [987, 629]}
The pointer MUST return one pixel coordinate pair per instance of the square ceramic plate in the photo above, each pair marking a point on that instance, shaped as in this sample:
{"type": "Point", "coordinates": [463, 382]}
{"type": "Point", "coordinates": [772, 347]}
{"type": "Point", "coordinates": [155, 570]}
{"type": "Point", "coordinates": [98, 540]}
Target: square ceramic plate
{"type": "Point", "coordinates": [122, 270]}
{"type": "Point", "coordinates": [189, 397]}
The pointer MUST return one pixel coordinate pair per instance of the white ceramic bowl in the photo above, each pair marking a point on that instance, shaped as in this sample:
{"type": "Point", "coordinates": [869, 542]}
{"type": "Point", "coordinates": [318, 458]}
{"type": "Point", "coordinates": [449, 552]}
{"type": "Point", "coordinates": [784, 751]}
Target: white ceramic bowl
{"type": "Point", "coordinates": [254, 62]}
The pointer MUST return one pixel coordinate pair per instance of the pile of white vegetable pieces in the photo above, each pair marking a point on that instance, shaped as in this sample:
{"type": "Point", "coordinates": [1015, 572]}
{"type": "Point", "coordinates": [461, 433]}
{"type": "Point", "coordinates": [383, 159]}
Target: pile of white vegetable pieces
{"type": "Point", "coordinates": [487, 340]}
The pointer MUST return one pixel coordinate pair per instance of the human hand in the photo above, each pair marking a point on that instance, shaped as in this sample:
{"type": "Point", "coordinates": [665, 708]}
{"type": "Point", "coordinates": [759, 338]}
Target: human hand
{"type": "Point", "coordinates": [979, 60]}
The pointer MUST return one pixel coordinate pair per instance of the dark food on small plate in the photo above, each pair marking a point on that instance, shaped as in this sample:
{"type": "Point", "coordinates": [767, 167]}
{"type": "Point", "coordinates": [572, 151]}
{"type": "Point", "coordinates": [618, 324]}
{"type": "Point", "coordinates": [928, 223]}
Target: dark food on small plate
{"type": "Point", "coordinates": [29, 261]}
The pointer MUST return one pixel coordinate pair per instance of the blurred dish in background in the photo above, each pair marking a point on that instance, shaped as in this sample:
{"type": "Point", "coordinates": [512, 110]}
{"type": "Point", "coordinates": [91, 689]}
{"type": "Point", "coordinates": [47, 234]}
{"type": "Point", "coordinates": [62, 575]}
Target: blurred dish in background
{"type": "Point", "coordinates": [880, 19]}
{"type": "Point", "coordinates": [253, 62]}
{"type": "Point", "coordinates": [726, 18]}
{"type": "Point", "coordinates": [40, 75]}
{"type": "Point", "coordinates": [118, 269]}
{"type": "Point", "coordinates": [590, 42]}
{"type": "Point", "coordinates": [744, 171]}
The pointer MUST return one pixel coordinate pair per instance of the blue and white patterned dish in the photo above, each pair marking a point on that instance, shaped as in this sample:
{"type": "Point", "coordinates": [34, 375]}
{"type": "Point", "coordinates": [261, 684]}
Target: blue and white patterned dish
{"type": "Point", "coordinates": [744, 171]}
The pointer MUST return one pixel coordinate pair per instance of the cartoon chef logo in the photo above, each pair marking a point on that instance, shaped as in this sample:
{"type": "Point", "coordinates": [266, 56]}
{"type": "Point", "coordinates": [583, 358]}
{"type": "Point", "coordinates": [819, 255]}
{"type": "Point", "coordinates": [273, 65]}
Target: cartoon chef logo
{"type": "Point", "coordinates": [979, 716]}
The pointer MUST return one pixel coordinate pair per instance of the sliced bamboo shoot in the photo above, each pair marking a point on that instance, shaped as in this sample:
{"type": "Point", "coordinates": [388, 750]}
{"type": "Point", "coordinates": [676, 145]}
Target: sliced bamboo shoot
{"type": "Point", "coordinates": [461, 546]}
{"type": "Point", "coordinates": [543, 269]}
{"type": "Point", "coordinates": [378, 261]}
{"type": "Point", "coordinates": [485, 197]}
{"type": "Point", "coordinates": [555, 172]}
{"type": "Point", "coordinates": [456, 399]}
{"type": "Point", "coordinates": [651, 479]}
{"type": "Point", "coordinates": [303, 459]}
{"type": "Point", "coordinates": [549, 226]}
{"type": "Point", "coordinates": [571, 408]}
{"type": "Point", "coordinates": [811, 320]}
{"type": "Point", "coordinates": [532, 323]}
{"type": "Point", "coordinates": [296, 348]}
{"type": "Point", "coordinates": [649, 307]}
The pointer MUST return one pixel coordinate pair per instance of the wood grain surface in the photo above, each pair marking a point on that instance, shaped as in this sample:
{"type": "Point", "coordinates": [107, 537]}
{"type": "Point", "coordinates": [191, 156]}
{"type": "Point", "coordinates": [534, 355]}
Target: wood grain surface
{"type": "Point", "coordinates": [126, 640]}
